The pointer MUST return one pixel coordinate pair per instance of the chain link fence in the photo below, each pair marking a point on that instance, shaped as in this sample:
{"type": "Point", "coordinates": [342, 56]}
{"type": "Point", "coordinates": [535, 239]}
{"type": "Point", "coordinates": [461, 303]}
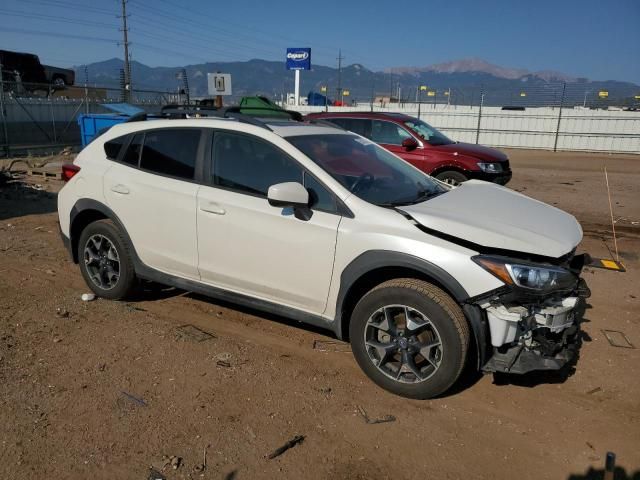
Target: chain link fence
{"type": "Point", "coordinates": [554, 116]}
{"type": "Point", "coordinates": [530, 93]}
{"type": "Point", "coordinates": [550, 116]}
{"type": "Point", "coordinates": [36, 118]}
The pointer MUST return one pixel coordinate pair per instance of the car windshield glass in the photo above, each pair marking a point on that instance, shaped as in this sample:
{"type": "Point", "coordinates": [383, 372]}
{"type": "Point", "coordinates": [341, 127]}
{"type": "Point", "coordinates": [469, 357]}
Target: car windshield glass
{"type": "Point", "coordinates": [369, 171]}
{"type": "Point", "coordinates": [428, 133]}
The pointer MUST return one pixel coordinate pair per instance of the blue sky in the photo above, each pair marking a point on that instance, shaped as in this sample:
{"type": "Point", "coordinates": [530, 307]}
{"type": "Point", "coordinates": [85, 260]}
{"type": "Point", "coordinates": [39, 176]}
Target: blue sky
{"type": "Point", "coordinates": [595, 39]}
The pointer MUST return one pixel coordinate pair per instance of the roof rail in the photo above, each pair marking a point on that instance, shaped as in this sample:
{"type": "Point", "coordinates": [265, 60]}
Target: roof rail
{"type": "Point", "coordinates": [236, 112]}
{"type": "Point", "coordinates": [297, 116]}
{"type": "Point", "coordinates": [138, 117]}
{"type": "Point", "coordinates": [325, 123]}
{"type": "Point", "coordinates": [231, 112]}
{"type": "Point", "coordinates": [181, 111]}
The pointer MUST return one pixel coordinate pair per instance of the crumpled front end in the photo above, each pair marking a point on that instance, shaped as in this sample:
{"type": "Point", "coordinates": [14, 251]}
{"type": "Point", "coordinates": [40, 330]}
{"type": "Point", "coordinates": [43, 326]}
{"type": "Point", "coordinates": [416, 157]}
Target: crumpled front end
{"type": "Point", "coordinates": [536, 337]}
{"type": "Point", "coordinates": [529, 331]}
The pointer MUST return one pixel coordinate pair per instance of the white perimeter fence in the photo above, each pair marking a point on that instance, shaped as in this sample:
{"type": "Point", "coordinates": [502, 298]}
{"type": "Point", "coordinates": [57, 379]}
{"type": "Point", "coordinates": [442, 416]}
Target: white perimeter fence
{"type": "Point", "coordinates": [547, 128]}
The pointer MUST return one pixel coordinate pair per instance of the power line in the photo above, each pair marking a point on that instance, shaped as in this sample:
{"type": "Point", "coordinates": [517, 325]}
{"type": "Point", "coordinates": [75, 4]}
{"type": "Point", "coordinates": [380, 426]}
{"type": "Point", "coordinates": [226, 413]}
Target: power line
{"type": "Point", "coordinates": [207, 39]}
{"type": "Point", "coordinates": [39, 16]}
{"type": "Point", "coordinates": [152, 36]}
{"type": "Point", "coordinates": [238, 48]}
{"type": "Point", "coordinates": [56, 34]}
{"type": "Point", "coordinates": [216, 22]}
{"type": "Point", "coordinates": [75, 6]}
{"type": "Point", "coordinates": [212, 23]}
{"type": "Point", "coordinates": [330, 49]}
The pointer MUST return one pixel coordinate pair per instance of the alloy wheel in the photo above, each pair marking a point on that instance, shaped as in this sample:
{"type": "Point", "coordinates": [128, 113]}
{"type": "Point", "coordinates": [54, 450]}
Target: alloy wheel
{"type": "Point", "coordinates": [403, 343]}
{"type": "Point", "coordinates": [102, 262]}
{"type": "Point", "coordinates": [451, 181]}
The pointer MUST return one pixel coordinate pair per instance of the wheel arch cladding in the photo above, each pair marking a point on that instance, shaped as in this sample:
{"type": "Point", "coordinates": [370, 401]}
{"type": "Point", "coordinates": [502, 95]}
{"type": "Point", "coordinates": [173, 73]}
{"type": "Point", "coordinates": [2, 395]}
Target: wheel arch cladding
{"type": "Point", "coordinates": [84, 212]}
{"type": "Point", "coordinates": [376, 266]}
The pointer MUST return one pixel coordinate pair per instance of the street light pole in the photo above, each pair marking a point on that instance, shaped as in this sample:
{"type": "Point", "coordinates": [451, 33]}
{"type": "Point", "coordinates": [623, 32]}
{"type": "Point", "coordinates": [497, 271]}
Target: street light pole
{"type": "Point", "coordinates": [340, 58]}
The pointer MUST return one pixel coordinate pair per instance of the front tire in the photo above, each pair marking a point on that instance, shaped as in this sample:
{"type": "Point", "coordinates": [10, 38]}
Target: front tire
{"type": "Point", "coordinates": [452, 177]}
{"type": "Point", "coordinates": [105, 261]}
{"type": "Point", "coordinates": [410, 338]}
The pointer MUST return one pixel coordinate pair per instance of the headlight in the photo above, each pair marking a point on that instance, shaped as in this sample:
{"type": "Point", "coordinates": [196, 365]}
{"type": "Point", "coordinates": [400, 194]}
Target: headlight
{"type": "Point", "coordinates": [490, 167]}
{"type": "Point", "coordinates": [531, 277]}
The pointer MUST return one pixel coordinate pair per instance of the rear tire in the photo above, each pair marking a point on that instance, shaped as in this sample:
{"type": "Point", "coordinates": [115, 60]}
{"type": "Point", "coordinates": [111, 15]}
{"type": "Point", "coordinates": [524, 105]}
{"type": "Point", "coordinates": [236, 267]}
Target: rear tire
{"type": "Point", "coordinates": [58, 83]}
{"type": "Point", "coordinates": [105, 261]}
{"type": "Point", "coordinates": [452, 177]}
{"type": "Point", "coordinates": [410, 338]}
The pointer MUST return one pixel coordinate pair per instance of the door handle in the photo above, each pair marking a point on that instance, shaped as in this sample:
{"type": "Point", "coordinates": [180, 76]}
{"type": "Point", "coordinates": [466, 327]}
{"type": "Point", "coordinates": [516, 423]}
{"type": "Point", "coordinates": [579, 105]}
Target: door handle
{"type": "Point", "coordinates": [122, 189]}
{"type": "Point", "coordinates": [212, 207]}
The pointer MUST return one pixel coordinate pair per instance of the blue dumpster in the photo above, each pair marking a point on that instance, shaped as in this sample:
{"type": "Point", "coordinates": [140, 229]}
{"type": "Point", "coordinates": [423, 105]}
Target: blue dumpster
{"type": "Point", "coordinates": [92, 124]}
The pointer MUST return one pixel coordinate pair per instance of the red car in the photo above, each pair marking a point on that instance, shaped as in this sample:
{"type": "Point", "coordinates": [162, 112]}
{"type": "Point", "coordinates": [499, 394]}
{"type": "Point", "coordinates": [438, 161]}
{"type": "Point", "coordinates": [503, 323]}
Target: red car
{"type": "Point", "coordinates": [425, 147]}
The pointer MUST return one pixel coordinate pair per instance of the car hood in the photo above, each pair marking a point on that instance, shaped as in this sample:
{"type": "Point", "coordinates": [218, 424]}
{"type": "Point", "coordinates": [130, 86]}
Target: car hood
{"type": "Point", "coordinates": [496, 217]}
{"type": "Point", "coordinates": [475, 151]}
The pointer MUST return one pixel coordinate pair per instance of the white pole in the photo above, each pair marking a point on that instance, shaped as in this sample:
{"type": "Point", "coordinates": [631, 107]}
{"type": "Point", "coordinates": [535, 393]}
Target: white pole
{"type": "Point", "coordinates": [297, 88]}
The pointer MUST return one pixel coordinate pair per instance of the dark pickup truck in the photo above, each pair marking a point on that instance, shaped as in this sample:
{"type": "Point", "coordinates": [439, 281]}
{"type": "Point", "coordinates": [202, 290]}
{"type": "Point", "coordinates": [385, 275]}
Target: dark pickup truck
{"type": "Point", "coordinates": [23, 71]}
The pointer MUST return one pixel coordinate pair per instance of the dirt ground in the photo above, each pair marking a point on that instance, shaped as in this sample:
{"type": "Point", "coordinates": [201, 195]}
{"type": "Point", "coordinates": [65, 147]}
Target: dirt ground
{"type": "Point", "coordinates": [106, 389]}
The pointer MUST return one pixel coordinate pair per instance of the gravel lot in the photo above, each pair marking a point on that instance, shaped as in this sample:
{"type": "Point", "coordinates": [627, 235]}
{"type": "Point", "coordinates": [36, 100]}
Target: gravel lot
{"type": "Point", "coordinates": [107, 390]}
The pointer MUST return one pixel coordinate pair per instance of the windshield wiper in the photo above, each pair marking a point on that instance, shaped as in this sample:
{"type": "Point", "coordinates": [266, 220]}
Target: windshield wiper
{"type": "Point", "coordinates": [423, 196]}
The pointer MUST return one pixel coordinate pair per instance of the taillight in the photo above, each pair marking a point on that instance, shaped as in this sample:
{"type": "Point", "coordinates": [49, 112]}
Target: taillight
{"type": "Point", "coordinates": [68, 171]}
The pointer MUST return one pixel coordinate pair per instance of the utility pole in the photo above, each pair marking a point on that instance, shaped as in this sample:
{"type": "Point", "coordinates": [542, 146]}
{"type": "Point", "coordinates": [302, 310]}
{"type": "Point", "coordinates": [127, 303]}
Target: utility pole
{"type": "Point", "coordinates": [86, 89]}
{"type": "Point", "coordinates": [127, 68]}
{"type": "Point", "coordinates": [340, 58]}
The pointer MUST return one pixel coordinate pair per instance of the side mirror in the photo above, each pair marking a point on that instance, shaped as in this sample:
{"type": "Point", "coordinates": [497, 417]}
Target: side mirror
{"type": "Point", "coordinates": [288, 194]}
{"type": "Point", "coordinates": [410, 143]}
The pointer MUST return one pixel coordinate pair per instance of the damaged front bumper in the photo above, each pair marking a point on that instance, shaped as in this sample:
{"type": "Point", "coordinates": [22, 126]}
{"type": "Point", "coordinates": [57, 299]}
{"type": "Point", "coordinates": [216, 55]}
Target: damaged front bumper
{"type": "Point", "coordinates": [527, 334]}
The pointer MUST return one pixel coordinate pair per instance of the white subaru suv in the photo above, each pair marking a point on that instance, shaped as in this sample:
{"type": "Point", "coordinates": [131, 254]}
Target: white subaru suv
{"type": "Point", "coordinates": [314, 223]}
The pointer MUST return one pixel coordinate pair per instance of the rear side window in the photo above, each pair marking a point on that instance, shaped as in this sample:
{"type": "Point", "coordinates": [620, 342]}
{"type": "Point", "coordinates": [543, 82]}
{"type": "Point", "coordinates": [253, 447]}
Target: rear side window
{"type": "Point", "coordinates": [361, 126]}
{"type": "Point", "coordinates": [132, 154]}
{"type": "Point", "coordinates": [112, 147]}
{"type": "Point", "coordinates": [171, 152]}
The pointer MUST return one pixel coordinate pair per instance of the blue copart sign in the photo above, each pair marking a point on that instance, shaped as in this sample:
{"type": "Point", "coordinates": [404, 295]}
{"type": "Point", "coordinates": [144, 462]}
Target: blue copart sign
{"type": "Point", "coordinates": [298, 59]}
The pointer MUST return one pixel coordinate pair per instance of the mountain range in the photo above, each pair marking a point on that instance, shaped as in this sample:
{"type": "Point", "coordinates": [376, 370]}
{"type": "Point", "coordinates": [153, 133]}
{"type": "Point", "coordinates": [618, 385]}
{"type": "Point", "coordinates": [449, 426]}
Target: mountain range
{"type": "Point", "coordinates": [463, 79]}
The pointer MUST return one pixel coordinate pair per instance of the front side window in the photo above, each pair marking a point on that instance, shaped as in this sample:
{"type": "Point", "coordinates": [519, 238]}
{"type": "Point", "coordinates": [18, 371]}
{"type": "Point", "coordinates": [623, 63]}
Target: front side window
{"type": "Point", "coordinates": [250, 165]}
{"type": "Point", "coordinates": [368, 170]}
{"type": "Point", "coordinates": [388, 133]}
{"type": "Point", "coordinates": [319, 197]}
{"type": "Point", "coordinates": [428, 133]}
{"type": "Point", "coordinates": [171, 152]}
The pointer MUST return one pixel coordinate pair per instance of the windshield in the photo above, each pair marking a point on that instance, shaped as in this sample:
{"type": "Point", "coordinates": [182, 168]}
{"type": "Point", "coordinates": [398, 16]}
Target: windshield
{"type": "Point", "coordinates": [428, 133]}
{"type": "Point", "coordinates": [367, 170]}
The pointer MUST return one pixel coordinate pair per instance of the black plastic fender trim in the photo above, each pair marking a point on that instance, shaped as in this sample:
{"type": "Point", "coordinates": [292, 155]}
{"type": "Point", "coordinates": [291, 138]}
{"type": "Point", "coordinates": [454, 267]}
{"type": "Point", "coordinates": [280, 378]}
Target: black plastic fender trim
{"type": "Point", "coordinates": [84, 204]}
{"type": "Point", "coordinates": [477, 319]}
{"type": "Point", "coordinates": [66, 241]}
{"type": "Point", "coordinates": [374, 259]}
